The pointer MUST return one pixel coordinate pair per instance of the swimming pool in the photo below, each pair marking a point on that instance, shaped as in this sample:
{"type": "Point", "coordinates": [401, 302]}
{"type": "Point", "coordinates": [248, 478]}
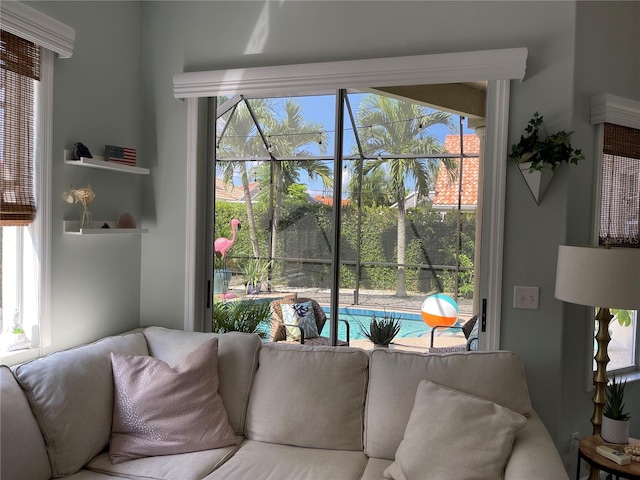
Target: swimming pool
{"type": "Point", "coordinates": [412, 324]}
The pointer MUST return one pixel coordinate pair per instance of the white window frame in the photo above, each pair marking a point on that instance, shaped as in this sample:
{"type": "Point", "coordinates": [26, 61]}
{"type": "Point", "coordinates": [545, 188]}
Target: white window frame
{"type": "Point", "coordinates": [497, 67]}
{"type": "Point", "coordinates": [607, 108]}
{"type": "Point", "coordinates": [55, 38]}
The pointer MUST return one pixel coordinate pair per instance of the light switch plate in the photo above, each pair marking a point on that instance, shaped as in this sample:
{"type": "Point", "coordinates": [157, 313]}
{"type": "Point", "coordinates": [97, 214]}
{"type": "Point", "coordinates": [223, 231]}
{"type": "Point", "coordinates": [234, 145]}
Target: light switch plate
{"type": "Point", "coordinates": [526, 297]}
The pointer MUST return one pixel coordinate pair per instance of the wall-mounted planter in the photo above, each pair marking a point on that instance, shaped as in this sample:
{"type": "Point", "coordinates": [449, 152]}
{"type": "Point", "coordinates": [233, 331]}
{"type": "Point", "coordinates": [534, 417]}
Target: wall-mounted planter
{"type": "Point", "coordinates": [538, 181]}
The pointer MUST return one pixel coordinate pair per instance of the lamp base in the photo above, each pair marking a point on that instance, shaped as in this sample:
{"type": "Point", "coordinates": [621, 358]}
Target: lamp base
{"type": "Point", "coordinates": [602, 358]}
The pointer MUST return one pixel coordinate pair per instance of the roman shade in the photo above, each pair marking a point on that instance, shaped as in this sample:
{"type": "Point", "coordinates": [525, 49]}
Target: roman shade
{"type": "Point", "coordinates": [19, 70]}
{"type": "Point", "coordinates": [620, 200]}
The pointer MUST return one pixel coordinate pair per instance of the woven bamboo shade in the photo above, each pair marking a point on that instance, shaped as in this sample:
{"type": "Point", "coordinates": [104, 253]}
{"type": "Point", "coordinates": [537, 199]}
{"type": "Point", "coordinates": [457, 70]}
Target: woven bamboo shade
{"type": "Point", "coordinates": [620, 200]}
{"type": "Point", "coordinates": [19, 69]}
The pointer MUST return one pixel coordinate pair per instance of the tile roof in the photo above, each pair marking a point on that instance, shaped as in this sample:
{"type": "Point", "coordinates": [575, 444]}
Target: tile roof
{"type": "Point", "coordinates": [329, 200]}
{"type": "Point", "coordinates": [233, 193]}
{"type": "Point", "coordinates": [446, 190]}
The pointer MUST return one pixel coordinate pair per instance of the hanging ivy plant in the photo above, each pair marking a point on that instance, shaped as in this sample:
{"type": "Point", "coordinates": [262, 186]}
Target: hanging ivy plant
{"type": "Point", "coordinates": [542, 149]}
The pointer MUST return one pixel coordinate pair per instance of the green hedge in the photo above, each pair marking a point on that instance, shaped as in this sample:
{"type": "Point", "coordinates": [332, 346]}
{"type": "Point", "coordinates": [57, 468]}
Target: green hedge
{"type": "Point", "coordinates": [306, 232]}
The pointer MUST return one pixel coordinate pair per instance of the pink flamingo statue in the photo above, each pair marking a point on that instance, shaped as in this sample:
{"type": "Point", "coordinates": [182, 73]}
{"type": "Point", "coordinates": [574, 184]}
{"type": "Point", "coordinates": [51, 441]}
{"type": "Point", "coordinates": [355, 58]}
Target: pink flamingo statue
{"type": "Point", "coordinates": [222, 244]}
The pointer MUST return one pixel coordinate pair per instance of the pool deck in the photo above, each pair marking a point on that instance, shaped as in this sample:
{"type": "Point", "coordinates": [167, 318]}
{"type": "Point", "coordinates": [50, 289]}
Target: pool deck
{"type": "Point", "coordinates": [383, 300]}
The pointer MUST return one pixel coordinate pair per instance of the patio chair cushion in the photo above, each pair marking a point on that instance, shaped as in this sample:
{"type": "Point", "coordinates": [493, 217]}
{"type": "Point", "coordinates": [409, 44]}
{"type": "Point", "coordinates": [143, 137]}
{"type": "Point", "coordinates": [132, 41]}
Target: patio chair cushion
{"type": "Point", "coordinates": [159, 410]}
{"type": "Point", "coordinates": [300, 314]}
{"type": "Point", "coordinates": [482, 431]}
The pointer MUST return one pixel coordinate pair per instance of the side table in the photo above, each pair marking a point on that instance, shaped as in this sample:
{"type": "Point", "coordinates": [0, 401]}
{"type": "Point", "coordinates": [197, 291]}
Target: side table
{"type": "Point", "coordinates": [587, 452]}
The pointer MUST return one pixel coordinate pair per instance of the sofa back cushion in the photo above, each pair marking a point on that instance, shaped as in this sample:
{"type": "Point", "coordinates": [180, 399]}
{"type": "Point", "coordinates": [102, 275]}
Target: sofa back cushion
{"type": "Point", "coordinates": [394, 377]}
{"type": "Point", "coordinates": [71, 396]}
{"type": "Point", "coordinates": [237, 363]}
{"type": "Point", "coordinates": [22, 447]}
{"type": "Point", "coordinates": [309, 397]}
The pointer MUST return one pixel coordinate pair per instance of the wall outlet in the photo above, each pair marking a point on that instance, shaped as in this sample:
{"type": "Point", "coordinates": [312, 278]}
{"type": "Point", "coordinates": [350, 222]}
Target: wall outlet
{"type": "Point", "coordinates": [526, 297]}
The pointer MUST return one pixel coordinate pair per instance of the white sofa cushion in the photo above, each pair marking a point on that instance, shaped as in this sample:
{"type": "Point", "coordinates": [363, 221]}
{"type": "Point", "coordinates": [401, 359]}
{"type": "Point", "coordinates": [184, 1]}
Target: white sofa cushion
{"type": "Point", "coordinates": [454, 435]}
{"type": "Point", "coordinates": [22, 450]}
{"type": "Point", "coordinates": [71, 396]}
{"type": "Point", "coordinates": [237, 363]}
{"type": "Point", "coordinates": [309, 397]}
{"type": "Point", "coordinates": [533, 443]}
{"type": "Point", "coordinates": [394, 377]}
{"type": "Point", "coordinates": [375, 469]}
{"type": "Point", "coordinates": [184, 466]}
{"type": "Point", "coordinates": [162, 410]}
{"type": "Point", "coordinates": [257, 460]}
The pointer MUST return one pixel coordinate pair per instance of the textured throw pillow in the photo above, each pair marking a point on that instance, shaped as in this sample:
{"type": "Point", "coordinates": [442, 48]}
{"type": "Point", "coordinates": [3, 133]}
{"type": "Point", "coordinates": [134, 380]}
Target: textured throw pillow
{"type": "Point", "coordinates": [299, 314]}
{"type": "Point", "coordinates": [159, 410]}
{"type": "Point", "coordinates": [454, 435]}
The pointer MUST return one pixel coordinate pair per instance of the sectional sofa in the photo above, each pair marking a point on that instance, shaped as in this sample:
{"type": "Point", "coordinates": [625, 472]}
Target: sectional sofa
{"type": "Point", "coordinates": [247, 410]}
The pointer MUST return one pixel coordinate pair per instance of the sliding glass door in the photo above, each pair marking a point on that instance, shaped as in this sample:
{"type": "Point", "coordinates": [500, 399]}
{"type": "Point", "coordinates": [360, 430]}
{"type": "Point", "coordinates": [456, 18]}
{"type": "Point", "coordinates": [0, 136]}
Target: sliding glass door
{"type": "Point", "coordinates": [399, 181]}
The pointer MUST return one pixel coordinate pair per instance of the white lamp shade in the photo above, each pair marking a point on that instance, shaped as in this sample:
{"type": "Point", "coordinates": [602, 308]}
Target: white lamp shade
{"type": "Point", "coordinates": [599, 277]}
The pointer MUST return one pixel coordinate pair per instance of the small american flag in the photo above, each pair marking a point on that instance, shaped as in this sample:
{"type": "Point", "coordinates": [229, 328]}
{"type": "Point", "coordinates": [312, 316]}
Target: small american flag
{"type": "Point", "coordinates": [126, 156]}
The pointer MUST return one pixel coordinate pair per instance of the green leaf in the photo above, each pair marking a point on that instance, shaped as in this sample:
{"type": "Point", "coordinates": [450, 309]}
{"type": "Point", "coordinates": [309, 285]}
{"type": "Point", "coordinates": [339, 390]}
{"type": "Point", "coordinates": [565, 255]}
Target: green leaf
{"type": "Point", "coordinates": [624, 316]}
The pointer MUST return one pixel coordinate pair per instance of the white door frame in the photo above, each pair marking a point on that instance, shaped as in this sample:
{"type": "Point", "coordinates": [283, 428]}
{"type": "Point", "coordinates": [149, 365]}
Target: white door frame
{"type": "Point", "coordinates": [497, 67]}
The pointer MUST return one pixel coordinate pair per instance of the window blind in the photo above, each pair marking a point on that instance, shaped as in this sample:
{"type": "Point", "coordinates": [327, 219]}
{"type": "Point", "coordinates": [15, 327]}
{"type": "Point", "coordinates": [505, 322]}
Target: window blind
{"type": "Point", "coordinates": [620, 199]}
{"type": "Point", "coordinates": [19, 70]}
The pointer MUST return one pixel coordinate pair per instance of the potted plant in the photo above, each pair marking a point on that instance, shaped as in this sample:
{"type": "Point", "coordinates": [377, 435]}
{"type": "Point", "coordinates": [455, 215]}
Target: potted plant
{"type": "Point", "coordinates": [256, 274]}
{"type": "Point", "coordinates": [248, 316]}
{"type": "Point", "coordinates": [221, 274]}
{"type": "Point", "coordinates": [539, 155]}
{"type": "Point", "coordinates": [615, 421]}
{"type": "Point", "coordinates": [382, 331]}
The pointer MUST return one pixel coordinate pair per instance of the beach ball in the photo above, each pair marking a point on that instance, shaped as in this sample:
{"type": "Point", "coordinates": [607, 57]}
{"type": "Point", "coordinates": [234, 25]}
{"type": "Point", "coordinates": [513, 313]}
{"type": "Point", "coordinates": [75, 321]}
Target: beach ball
{"type": "Point", "coordinates": [439, 309]}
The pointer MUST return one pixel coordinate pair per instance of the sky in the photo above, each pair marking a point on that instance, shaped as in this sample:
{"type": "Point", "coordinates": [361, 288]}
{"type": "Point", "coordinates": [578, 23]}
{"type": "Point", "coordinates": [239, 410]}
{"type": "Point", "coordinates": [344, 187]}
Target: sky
{"type": "Point", "coordinates": [321, 109]}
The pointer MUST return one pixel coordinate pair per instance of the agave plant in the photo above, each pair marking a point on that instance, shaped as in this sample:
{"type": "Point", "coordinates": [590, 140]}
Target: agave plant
{"type": "Point", "coordinates": [382, 330]}
{"type": "Point", "coordinates": [614, 407]}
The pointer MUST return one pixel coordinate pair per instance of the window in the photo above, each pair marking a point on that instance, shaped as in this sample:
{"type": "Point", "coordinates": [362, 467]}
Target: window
{"type": "Point", "coordinates": [26, 99]}
{"type": "Point", "coordinates": [20, 75]}
{"type": "Point", "coordinates": [619, 211]}
{"type": "Point", "coordinates": [275, 167]}
{"type": "Point", "coordinates": [494, 66]}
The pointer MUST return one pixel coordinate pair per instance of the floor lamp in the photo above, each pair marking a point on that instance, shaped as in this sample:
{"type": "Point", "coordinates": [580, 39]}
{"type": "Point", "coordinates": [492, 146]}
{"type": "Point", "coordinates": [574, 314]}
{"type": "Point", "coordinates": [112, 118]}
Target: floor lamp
{"type": "Point", "coordinates": [604, 278]}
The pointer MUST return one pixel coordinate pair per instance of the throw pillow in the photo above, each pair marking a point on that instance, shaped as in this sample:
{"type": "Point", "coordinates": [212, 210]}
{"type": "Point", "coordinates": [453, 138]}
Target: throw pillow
{"type": "Point", "coordinates": [451, 434]}
{"type": "Point", "coordinates": [159, 410]}
{"type": "Point", "coordinates": [300, 314]}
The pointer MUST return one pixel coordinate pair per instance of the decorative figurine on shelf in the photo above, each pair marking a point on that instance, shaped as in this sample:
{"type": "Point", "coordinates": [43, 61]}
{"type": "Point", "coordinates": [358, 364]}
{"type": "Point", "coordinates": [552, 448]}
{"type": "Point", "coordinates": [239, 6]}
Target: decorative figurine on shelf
{"type": "Point", "coordinates": [126, 220]}
{"type": "Point", "coordinates": [84, 196]}
{"type": "Point", "coordinates": [80, 150]}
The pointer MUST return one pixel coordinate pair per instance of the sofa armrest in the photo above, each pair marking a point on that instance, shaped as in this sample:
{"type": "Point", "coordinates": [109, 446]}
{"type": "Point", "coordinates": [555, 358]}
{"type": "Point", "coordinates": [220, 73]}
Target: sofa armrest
{"type": "Point", "coordinates": [534, 454]}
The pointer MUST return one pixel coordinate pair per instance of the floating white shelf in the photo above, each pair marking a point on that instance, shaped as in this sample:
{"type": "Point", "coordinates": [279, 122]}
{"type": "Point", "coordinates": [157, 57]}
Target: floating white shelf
{"type": "Point", "coordinates": [71, 228]}
{"type": "Point", "coordinates": [99, 162]}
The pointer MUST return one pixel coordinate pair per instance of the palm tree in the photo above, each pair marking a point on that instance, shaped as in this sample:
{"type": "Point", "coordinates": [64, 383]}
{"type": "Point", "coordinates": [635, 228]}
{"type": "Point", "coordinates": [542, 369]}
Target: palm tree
{"type": "Point", "coordinates": [240, 139]}
{"type": "Point", "coordinates": [291, 136]}
{"type": "Point", "coordinates": [401, 128]}
{"type": "Point", "coordinates": [374, 188]}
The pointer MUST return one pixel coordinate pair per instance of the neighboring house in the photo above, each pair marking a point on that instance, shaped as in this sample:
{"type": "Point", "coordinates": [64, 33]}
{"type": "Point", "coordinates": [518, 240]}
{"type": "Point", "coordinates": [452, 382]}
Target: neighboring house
{"type": "Point", "coordinates": [329, 200]}
{"type": "Point", "coordinates": [446, 196]}
{"type": "Point", "coordinates": [235, 193]}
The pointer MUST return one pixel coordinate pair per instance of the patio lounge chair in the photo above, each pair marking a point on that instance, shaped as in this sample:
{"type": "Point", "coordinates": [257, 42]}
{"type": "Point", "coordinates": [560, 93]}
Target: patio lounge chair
{"type": "Point", "coordinates": [467, 328]}
{"type": "Point", "coordinates": [280, 332]}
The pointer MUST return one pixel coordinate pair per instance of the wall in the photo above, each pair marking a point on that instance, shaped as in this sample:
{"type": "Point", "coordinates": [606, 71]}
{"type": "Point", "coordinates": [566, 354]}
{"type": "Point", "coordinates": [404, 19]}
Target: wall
{"type": "Point", "coordinates": [97, 101]}
{"type": "Point", "coordinates": [607, 61]}
{"type": "Point", "coordinates": [215, 35]}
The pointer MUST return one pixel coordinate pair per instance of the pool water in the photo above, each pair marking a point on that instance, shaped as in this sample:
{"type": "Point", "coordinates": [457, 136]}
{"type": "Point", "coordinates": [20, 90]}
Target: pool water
{"type": "Point", "coordinates": [411, 326]}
